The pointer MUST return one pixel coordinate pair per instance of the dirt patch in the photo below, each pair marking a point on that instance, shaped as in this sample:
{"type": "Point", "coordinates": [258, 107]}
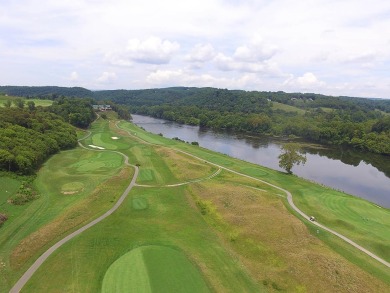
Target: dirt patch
{"type": "Point", "coordinates": [3, 218]}
{"type": "Point", "coordinates": [70, 192]}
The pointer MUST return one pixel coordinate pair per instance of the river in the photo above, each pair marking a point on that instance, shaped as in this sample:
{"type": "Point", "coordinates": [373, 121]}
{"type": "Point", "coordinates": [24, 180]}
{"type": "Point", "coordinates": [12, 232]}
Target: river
{"type": "Point", "coordinates": [361, 174]}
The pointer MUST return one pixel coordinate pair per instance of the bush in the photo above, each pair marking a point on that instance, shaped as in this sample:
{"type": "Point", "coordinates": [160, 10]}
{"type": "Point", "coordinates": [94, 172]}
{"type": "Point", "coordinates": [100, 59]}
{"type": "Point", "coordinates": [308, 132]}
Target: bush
{"type": "Point", "coordinates": [3, 218]}
{"type": "Point", "coordinates": [25, 194]}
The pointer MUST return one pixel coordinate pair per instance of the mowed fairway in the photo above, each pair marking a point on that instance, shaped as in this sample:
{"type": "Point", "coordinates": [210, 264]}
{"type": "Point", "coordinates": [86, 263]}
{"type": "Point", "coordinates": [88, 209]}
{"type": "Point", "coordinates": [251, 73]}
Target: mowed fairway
{"type": "Point", "coordinates": [153, 269]}
{"type": "Point", "coordinates": [234, 233]}
{"type": "Point", "coordinates": [74, 187]}
{"type": "Point", "coordinates": [37, 102]}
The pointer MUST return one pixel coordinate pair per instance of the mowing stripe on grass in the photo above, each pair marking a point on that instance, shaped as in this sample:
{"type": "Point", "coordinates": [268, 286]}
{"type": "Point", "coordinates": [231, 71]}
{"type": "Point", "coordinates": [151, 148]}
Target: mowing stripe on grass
{"type": "Point", "coordinates": [127, 274]}
{"type": "Point", "coordinates": [153, 269]}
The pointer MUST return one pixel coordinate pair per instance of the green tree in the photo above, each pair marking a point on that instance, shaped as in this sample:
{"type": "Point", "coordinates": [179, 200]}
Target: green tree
{"type": "Point", "coordinates": [19, 103]}
{"type": "Point", "coordinates": [6, 159]}
{"type": "Point", "coordinates": [292, 155]}
{"type": "Point", "coordinates": [7, 103]}
{"type": "Point", "coordinates": [31, 105]}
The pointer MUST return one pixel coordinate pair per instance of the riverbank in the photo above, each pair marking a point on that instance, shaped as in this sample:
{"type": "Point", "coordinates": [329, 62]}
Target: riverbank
{"type": "Point", "coordinates": [341, 169]}
{"type": "Point", "coordinates": [239, 232]}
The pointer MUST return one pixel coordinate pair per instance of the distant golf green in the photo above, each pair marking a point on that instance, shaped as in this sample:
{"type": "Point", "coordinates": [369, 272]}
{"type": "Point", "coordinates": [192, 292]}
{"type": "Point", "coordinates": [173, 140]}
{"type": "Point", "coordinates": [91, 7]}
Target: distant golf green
{"type": "Point", "coordinates": [153, 269]}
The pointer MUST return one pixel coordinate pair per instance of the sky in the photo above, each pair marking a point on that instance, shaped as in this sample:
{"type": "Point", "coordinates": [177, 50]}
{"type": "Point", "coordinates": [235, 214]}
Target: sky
{"type": "Point", "coordinates": [320, 46]}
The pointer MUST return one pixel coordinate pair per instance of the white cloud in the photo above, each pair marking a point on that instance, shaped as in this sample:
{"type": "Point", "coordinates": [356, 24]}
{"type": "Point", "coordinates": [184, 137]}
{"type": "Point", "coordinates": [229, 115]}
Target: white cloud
{"type": "Point", "coordinates": [266, 67]}
{"type": "Point", "coordinates": [256, 51]}
{"type": "Point", "coordinates": [151, 51]}
{"type": "Point", "coordinates": [107, 77]}
{"type": "Point", "coordinates": [307, 81]}
{"type": "Point", "coordinates": [342, 42]}
{"type": "Point", "coordinates": [201, 53]}
{"type": "Point", "coordinates": [253, 57]}
{"type": "Point", "coordinates": [74, 76]}
{"type": "Point", "coordinates": [165, 78]}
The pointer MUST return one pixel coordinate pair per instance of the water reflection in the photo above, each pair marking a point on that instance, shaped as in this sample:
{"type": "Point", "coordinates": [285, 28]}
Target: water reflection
{"type": "Point", "coordinates": [362, 174]}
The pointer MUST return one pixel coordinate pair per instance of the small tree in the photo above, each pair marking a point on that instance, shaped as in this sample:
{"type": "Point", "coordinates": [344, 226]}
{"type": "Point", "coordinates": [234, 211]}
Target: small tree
{"type": "Point", "coordinates": [19, 103]}
{"type": "Point", "coordinates": [292, 155]}
{"type": "Point", "coordinates": [31, 105]}
{"type": "Point", "coordinates": [7, 103]}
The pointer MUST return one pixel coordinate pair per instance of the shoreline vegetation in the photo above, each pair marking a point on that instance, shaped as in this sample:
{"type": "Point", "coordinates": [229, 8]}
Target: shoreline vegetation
{"type": "Point", "coordinates": [363, 124]}
{"type": "Point", "coordinates": [255, 241]}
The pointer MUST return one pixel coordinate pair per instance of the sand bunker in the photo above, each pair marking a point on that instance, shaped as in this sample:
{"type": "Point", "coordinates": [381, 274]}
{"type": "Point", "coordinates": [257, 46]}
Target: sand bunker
{"type": "Point", "coordinates": [96, 147]}
{"type": "Point", "coordinates": [114, 137]}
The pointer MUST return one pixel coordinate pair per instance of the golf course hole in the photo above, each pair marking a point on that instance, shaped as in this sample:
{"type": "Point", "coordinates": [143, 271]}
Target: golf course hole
{"type": "Point", "coordinates": [72, 188]}
{"type": "Point", "coordinates": [153, 268]}
{"type": "Point", "coordinates": [140, 203]}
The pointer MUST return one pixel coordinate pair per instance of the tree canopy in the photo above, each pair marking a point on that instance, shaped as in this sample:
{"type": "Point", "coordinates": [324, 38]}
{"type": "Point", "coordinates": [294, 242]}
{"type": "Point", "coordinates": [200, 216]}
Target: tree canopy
{"type": "Point", "coordinates": [292, 155]}
{"type": "Point", "coordinates": [29, 135]}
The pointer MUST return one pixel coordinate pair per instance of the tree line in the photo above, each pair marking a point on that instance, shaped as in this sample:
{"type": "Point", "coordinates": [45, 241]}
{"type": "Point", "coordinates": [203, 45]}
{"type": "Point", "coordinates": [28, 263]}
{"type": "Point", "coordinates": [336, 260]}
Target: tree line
{"type": "Point", "coordinates": [29, 135]}
{"type": "Point", "coordinates": [359, 123]}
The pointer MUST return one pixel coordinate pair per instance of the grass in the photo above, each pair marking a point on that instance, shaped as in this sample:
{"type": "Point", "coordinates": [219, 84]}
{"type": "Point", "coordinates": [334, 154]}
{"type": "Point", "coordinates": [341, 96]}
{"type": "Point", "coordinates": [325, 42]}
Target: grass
{"type": "Point", "coordinates": [169, 220]}
{"type": "Point", "coordinates": [238, 233]}
{"type": "Point", "coordinates": [75, 186]}
{"type": "Point", "coordinates": [287, 108]}
{"type": "Point", "coordinates": [38, 102]}
{"type": "Point", "coordinates": [153, 269]}
{"type": "Point", "coordinates": [277, 248]}
{"type": "Point", "coordinates": [327, 205]}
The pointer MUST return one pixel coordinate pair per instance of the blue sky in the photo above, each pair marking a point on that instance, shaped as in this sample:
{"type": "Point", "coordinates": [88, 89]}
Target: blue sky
{"type": "Point", "coordinates": [330, 47]}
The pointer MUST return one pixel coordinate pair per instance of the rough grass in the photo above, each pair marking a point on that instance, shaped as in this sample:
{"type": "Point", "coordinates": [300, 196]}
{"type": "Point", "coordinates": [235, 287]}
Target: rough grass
{"type": "Point", "coordinates": [99, 201]}
{"type": "Point", "coordinates": [9, 187]}
{"type": "Point", "coordinates": [326, 204]}
{"type": "Point", "coordinates": [277, 248]}
{"type": "Point", "coordinates": [169, 220]}
{"type": "Point", "coordinates": [55, 214]}
{"type": "Point", "coordinates": [153, 269]}
{"type": "Point", "coordinates": [246, 240]}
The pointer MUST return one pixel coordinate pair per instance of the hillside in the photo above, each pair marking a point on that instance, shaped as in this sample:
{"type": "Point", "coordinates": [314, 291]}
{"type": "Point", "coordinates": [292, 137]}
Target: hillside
{"type": "Point", "coordinates": [359, 123]}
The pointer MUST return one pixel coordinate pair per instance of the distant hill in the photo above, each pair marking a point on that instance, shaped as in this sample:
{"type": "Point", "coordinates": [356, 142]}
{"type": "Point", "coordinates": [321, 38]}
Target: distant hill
{"type": "Point", "coordinates": [211, 98]}
{"type": "Point", "coordinates": [46, 91]}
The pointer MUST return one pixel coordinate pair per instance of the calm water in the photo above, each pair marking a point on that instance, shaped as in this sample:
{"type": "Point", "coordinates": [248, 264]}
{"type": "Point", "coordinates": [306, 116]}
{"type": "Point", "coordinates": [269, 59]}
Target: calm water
{"type": "Point", "coordinates": [360, 174]}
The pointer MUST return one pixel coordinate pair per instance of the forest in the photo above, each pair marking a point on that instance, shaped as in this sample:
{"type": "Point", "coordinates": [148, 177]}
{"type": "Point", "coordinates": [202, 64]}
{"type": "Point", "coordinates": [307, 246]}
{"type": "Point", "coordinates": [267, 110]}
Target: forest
{"type": "Point", "coordinates": [29, 135]}
{"type": "Point", "coordinates": [360, 123]}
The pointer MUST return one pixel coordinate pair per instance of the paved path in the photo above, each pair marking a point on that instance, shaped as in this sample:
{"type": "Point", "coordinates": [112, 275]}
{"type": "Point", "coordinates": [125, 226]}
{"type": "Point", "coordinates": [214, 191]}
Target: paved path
{"type": "Point", "coordinates": [289, 199]}
{"type": "Point", "coordinates": [183, 183]}
{"type": "Point", "coordinates": [34, 267]}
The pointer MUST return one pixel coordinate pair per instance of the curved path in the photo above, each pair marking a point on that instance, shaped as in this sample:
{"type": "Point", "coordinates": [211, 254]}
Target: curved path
{"type": "Point", "coordinates": [183, 183]}
{"type": "Point", "coordinates": [34, 267]}
{"type": "Point", "coordinates": [289, 200]}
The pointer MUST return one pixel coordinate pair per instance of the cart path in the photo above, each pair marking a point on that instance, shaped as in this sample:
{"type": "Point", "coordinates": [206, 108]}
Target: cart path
{"type": "Point", "coordinates": [183, 183]}
{"type": "Point", "coordinates": [289, 200]}
{"type": "Point", "coordinates": [34, 267]}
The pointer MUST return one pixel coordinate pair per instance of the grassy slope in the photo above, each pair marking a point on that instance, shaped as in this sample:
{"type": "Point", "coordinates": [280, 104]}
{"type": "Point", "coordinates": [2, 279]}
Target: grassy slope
{"type": "Point", "coordinates": [286, 108]}
{"type": "Point", "coordinates": [169, 216]}
{"type": "Point", "coordinates": [55, 213]}
{"type": "Point", "coordinates": [364, 222]}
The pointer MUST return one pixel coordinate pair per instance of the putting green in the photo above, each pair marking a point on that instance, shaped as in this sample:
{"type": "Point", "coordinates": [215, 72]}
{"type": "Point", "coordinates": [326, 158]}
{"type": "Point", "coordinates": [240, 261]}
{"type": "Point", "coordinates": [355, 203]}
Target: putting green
{"type": "Point", "coordinates": [153, 269]}
{"type": "Point", "coordinates": [140, 203]}
{"type": "Point", "coordinates": [72, 187]}
{"type": "Point", "coordinates": [105, 140]}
